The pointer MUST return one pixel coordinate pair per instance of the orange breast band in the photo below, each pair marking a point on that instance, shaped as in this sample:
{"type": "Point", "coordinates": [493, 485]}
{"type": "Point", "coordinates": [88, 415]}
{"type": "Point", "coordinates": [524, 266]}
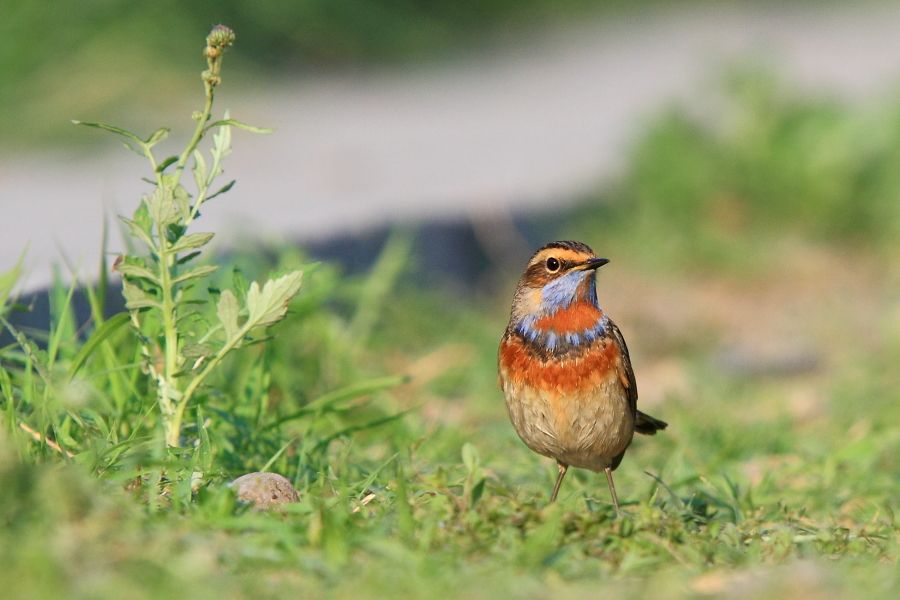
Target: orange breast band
{"type": "Point", "coordinates": [576, 318]}
{"type": "Point", "coordinates": [521, 366]}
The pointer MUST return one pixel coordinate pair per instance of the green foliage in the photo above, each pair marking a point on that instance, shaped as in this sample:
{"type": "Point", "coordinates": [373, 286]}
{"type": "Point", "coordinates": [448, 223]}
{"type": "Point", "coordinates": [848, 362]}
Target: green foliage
{"type": "Point", "coordinates": [121, 400]}
{"type": "Point", "coordinates": [157, 285]}
{"type": "Point", "coordinates": [461, 512]}
{"type": "Point", "coordinates": [423, 489]}
{"type": "Point", "coordinates": [715, 190]}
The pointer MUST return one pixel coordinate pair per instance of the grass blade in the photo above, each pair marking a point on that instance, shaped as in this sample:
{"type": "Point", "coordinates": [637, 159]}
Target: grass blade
{"type": "Point", "coordinates": [350, 392]}
{"type": "Point", "coordinates": [100, 334]}
{"type": "Point", "coordinates": [277, 455]}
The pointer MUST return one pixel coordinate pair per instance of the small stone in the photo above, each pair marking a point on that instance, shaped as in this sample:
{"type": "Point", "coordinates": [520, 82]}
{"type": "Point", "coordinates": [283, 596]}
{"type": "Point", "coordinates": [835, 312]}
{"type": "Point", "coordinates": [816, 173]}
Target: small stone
{"type": "Point", "coordinates": [264, 490]}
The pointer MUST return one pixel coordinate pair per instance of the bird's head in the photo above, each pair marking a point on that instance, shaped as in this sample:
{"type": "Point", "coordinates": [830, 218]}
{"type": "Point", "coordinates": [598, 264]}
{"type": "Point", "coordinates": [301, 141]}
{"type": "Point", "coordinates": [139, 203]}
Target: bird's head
{"type": "Point", "coordinates": [560, 277]}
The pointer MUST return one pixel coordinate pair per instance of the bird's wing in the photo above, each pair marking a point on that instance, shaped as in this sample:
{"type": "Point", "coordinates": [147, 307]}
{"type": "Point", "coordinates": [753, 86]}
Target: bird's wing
{"type": "Point", "coordinates": [626, 373]}
{"type": "Point", "coordinates": [643, 423]}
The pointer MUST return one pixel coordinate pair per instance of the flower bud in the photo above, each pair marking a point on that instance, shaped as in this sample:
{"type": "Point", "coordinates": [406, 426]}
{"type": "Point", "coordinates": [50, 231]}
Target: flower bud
{"type": "Point", "coordinates": [219, 37]}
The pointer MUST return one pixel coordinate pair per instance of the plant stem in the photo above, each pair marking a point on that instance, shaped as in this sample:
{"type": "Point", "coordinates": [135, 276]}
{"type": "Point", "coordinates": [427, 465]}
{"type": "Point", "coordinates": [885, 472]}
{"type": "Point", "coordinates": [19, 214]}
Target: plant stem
{"type": "Point", "coordinates": [172, 402]}
{"type": "Point", "coordinates": [168, 386]}
{"type": "Point", "coordinates": [210, 366]}
{"type": "Point", "coordinates": [209, 89]}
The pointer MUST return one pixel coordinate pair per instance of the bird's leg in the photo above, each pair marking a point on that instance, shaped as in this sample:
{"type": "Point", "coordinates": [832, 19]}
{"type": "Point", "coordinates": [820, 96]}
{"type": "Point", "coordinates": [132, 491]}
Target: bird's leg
{"type": "Point", "coordinates": [612, 489]}
{"type": "Point", "coordinates": [562, 473]}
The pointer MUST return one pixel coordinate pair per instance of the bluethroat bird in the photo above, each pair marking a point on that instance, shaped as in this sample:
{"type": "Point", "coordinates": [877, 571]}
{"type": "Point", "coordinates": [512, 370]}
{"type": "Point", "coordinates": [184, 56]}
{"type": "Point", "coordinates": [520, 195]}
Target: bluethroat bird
{"type": "Point", "coordinates": [564, 367]}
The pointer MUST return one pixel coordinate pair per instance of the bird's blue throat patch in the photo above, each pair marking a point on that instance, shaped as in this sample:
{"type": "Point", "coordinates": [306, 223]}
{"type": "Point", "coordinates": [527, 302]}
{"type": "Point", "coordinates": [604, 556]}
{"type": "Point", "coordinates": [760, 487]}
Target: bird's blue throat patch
{"type": "Point", "coordinates": [557, 295]}
{"type": "Point", "coordinates": [563, 291]}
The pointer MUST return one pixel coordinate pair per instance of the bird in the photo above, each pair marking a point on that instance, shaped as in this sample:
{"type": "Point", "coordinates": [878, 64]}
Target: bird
{"type": "Point", "coordinates": [564, 368]}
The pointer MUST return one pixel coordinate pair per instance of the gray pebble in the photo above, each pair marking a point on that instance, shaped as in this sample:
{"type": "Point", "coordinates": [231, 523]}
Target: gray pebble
{"type": "Point", "coordinates": [264, 490]}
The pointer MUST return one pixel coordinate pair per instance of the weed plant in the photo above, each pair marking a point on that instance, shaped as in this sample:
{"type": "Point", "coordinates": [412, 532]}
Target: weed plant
{"type": "Point", "coordinates": [132, 394]}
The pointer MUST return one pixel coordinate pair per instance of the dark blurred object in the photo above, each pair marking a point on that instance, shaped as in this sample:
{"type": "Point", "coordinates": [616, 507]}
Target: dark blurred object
{"type": "Point", "coordinates": [446, 253]}
{"type": "Point", "coordinates": [94, 57]}
{"type": "Point", "coordinates": [32, 313]}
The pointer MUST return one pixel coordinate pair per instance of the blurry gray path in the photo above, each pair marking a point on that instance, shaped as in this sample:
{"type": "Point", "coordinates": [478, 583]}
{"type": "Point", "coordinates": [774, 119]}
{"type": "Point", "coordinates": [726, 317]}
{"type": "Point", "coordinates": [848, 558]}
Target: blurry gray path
{"type": "Point", "coordinates": [525, 127]}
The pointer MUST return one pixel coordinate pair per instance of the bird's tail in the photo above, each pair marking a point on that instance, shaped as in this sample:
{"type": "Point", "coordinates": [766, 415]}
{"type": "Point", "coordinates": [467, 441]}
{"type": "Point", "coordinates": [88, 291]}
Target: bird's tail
{"type": "Point", "coordinates": [648, 425]}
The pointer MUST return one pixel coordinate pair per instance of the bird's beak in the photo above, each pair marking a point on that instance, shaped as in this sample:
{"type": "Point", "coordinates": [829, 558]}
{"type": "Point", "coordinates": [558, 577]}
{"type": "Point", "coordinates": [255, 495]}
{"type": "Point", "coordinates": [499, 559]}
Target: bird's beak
{"type": "Point", "coordinates": [592, 264]}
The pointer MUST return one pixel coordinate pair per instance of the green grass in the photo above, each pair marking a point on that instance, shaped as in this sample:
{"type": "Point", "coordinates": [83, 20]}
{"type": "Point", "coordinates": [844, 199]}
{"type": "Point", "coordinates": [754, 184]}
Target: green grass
{"type": "Point", "coordinates": [749, 495]}
{"type": "Point", "coordinates": [378, 399]}
{"type": "Point", "coordinates": [822, 505]}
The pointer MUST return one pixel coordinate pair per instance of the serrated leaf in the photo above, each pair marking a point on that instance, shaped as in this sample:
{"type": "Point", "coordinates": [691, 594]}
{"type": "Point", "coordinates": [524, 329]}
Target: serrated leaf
{"type": "Point", "coordinates": [137, 231]}
{"type": "Point", "coordinates": [200, 169]}
{"type": "Point", "coordinates": [227, 310]}
{"type": "Point", "coordinates": [239, 125]}
{"type": "Point", "coordinates": [194, 273]}
{"type": "Point", "coordinates": [142, 217]}
{"type": "Point", "coordinates": [161, 206]}
{"type": "Point", "coordinates": [157, 136]}
{"type": "Point", "coordinates": [131, 270]}
{"type": "Point", "coordinates": [268, 305]}
{"type": "Point", "coordinates": [192, 241]}
{"type": "Point", "coordinates": [182, 200]}
{"type": "Point", "coordinates": [221, 148]}
{"type": "Point", "coordinates": [136, 298]}
{"type": "Point", "coordinates": [112, 129]}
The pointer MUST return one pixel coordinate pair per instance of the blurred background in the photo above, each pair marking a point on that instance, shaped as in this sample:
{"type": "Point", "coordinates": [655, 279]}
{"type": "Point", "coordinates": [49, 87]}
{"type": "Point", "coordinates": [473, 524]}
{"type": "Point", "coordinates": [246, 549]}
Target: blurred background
{"type": "Point", "coordinates": [478, 113]}
{"type": "Point", "coordinates": [738, 162]}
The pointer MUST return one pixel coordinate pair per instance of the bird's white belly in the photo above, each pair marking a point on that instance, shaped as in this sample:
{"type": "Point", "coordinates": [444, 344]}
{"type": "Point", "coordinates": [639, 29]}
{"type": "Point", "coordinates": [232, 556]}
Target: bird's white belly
{"type": "Point", "coordinates": [586, 428]}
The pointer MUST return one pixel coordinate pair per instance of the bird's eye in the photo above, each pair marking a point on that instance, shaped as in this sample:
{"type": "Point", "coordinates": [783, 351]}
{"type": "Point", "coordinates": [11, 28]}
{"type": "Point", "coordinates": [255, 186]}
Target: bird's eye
{"type": "Point", "coordinates": [552, 265]}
